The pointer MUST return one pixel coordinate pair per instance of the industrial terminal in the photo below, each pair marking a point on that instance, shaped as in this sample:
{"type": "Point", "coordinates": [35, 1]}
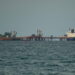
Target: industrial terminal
{"type": "Point", "coordinates": [69, 36]}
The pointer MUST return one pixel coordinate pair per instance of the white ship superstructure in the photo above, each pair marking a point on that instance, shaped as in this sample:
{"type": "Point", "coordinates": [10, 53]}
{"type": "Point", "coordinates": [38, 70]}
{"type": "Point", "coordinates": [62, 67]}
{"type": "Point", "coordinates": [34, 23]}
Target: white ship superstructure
{"type": "Point", "coordinates": [71, 33]}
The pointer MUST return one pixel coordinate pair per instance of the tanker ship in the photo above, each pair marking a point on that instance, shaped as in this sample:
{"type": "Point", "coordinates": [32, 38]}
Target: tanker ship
{"type": "Point", "coordinates": [70, 36]}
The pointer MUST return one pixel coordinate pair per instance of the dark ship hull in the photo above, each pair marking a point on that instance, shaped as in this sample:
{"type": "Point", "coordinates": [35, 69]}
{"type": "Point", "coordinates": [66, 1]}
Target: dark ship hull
{"type": "Point", "coordinates": [10, 39]}
{"type": "Point", "coordinates": [71, 39]}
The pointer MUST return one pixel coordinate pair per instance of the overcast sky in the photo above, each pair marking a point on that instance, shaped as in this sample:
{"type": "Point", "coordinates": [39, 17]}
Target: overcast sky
{"type": "Point", "coordinates": [53, 17]}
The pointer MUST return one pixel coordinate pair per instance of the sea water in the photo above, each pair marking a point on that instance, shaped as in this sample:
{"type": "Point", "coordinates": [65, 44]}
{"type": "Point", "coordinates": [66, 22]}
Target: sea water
{"type": "Point", "coordinates": [37, 58]}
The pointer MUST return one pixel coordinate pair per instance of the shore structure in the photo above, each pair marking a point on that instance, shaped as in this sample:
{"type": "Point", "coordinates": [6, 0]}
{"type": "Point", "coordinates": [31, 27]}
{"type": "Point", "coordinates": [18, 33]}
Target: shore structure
{"type": "Point", "coordinates": [70, 36]}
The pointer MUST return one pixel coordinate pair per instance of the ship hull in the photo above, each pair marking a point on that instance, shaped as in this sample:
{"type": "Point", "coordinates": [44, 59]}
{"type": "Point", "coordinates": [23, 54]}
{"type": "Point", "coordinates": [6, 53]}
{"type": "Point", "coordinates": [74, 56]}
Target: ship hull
{"type": "Point", "coordinates": [10, 39]}
{"type": "Point", "coordinates": [71, 39]}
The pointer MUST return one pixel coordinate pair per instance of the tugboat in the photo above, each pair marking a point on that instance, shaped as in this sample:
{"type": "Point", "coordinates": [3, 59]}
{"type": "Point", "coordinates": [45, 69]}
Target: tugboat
{"type": "Point", "coordinates": [71, 35]}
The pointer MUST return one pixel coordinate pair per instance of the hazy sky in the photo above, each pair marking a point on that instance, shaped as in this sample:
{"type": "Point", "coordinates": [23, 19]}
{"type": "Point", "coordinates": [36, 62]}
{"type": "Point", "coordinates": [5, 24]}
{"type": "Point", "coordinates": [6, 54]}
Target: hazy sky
{"type": "Point", "coordinates": [53, 17]}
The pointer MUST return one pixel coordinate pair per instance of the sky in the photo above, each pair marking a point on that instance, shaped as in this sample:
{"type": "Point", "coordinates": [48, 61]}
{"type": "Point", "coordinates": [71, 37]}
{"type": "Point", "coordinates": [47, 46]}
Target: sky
{"type": "Point", "coordinates": [53, 17]}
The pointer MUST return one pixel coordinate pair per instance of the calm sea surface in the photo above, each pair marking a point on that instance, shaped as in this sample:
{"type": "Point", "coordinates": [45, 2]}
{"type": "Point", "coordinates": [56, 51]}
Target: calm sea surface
{"type": "Point", "coordinates": [37, 58]}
